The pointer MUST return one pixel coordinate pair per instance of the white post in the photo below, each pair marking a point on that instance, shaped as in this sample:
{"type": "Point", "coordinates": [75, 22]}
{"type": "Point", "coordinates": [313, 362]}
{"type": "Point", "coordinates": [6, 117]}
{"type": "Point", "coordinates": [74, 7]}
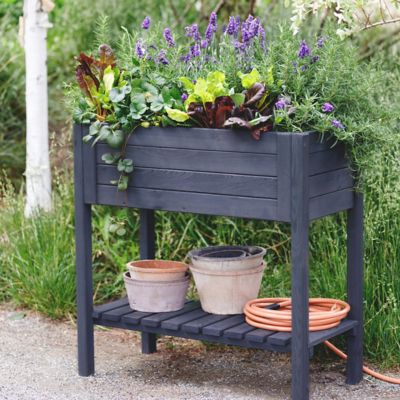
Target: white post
{"type": "Point", "coordinates": [38, 175]}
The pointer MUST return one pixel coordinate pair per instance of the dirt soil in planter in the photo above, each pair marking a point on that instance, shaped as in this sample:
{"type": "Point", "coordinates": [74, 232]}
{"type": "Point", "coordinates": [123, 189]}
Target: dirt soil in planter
{"type": "Point", "coordinates": [38, 361]}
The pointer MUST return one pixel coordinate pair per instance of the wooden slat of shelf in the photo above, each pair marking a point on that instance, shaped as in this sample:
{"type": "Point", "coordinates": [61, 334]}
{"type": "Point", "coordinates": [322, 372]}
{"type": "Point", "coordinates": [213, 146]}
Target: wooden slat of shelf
{"type": "Point", "coordinates": [156, 319]}
{"type": "Point", "coordinates": [176, 322]}
{"type": "Point", "coordinates": [98, 310]}
{"type": "Point", "coordinates": [196, 325]}
{"type": "Point", "coordinates": [238, 332]}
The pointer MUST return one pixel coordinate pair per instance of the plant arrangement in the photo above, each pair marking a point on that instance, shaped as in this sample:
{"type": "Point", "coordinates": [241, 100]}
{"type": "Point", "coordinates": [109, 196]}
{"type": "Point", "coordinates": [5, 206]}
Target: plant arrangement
{"type": "Point", "coordinates": [229, 76]}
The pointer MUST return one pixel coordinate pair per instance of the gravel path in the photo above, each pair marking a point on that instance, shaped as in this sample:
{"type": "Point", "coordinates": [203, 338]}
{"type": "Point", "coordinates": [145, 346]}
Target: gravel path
{"type": "Point", "coordinates": [37, 362]}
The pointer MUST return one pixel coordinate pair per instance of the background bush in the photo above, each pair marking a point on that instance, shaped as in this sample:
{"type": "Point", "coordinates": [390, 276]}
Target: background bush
{"type": "Point", "coordinates": [37, 255]}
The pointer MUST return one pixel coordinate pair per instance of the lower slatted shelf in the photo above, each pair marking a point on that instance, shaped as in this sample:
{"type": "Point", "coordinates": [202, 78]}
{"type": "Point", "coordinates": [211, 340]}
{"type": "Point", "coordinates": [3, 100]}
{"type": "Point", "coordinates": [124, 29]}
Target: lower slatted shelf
{"type": "Point", "coordinates": [194, 323]}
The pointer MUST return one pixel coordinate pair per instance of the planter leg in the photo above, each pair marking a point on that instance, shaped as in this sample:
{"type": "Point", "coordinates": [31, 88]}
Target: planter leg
{"type": "Point", "coordinates": [300, 299]}
{"type": "Point", "coordinates": [147, 251]}
{"type": "Point", "coordinates": [355, 289]}
{"type": "Point", "coordinates": [83, 245]}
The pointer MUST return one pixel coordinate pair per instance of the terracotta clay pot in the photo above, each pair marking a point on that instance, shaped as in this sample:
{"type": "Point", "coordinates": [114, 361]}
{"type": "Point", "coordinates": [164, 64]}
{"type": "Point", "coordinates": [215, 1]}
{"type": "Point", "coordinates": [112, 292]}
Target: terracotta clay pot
{"type": "Point", "coordinates": [227, 292]}
{"type": "Point", "coordinates": [152, 296]}
{"type": "Point", "coordinates": [157, 270]}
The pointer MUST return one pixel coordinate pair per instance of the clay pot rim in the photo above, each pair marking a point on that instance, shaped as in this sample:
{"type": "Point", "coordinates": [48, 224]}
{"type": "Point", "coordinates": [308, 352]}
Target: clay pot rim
{"type": "Point", "coordinates": [254, 270]}
{"type": "Point", "coordinates": [128, 279]}
{"type": "Point", "coordinates": [259, 252]}
{"type": "Point", "coordinates": [164, 266]}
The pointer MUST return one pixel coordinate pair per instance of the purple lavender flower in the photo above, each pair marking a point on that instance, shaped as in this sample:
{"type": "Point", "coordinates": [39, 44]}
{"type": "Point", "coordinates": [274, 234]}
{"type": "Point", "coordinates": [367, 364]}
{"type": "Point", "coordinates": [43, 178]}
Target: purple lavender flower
{"type": "Point", "coordinates": [327, 107]}
{"type": "Point", "coordinates": [213, 21]}
{"type": "Point", "coordinates": [231, 28]}
{"type": "Point", "coordinates": [253, 27]}
{"type": "Point", "coordinates": [196, 32]}
{"type": "Point", "coordinates": [303, 67]}
{"type": "Point", "coordinates": [186, 58]}
{"type": "Point", "coordinates": [140, 50]}
{"type": "Point", "coordinates": [337, 124]}
{"type": "Point", "coordinates": [204, 44]}
{"type": "Point", "coordinates": [195, 50]}
{"type": "Point", "coordinates": [192, 31]}
{"type": "Point", "coordinates": [146, 23]}
{"type": "Point", "coordinates": [314, 59]}
{"type": "Point", "coordinates": [184, 97]}
{"type": "Point", "coordinates": [212, 26]}
{"type": "Point", "coordinates": [320, 42]}
{"type": "Point", "coordinates": [162, 57]}
{"type": "Point", "coordinates": [304, 50]}
{"type": "Point", "coordinates": [168, 37]}
{"type": "Point", "coordinates": [245, 36]}
{"type": "Point", "coordinates": [280, 104]}
{"type": "Point", "coordinates": [239, 45]}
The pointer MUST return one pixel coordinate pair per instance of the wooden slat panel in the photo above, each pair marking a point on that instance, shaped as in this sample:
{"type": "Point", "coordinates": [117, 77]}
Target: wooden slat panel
{"type": "Point", "coordinates": [258, 335]}
{"type": "Point", "coordinates": [156, 319]}
{"type": "Point", "coordinates": [201, 203]}
{"type": "Point", "coordinates": [205, 139]}
{"type": "Point", "coordinates": [89, 170]}
{"type": "Point", "coordinates": [135, 317]}
{"type": "Point", "coordinates": [196, 326]}
{"type": "Point", "coordinates": [188, 181]}
{"type": "Point", "coordinates": [116, 314]}
{"type": "Point", "coordinates": [318, 337]}
{"type": "Point", "coordinates": [238, 332]}
{"type": "Point", "coordinates": [280, 338]}
{"type": "Point", "coordinates": [284, 142]}
{"type": "Point", "coordinates": [98, 310]}
{"type": "Point", "coordinates": [218, 328]}
{"type": "Point", "coordinates": [329, 160]}
{"type": "Point", "coordinates": [175, 323]}
{"type": "Point", "coordinates": [198, 160]}
{"type": "Point", "coordinates": [330, 182]}
{"type": "Point", "coordinates": [331, 203]}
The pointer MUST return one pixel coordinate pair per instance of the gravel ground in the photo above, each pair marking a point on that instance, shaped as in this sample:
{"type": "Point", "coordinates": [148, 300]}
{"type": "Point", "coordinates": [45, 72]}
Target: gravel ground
{"type": "Point", "coordinates": [38, 362]}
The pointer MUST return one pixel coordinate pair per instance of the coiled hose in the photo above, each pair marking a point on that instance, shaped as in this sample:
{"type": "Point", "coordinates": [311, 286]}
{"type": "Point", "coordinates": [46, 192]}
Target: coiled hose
{"type": "Point", "coordinates": [275, 314]}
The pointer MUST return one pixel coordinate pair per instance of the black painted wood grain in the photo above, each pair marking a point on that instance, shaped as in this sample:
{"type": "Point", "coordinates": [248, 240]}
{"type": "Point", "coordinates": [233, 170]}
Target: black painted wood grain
{"type": "Point", "coordinates": [201, 203]}
{"type": "Point", "coordinates": [189, 181]}
{"type": "Point", "coordinates": [198, 160]}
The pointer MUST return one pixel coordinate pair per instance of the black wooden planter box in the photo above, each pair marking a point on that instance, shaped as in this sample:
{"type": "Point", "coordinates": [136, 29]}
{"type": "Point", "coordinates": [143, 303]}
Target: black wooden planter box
{"type": "Point", "coordinates": [289, 177]}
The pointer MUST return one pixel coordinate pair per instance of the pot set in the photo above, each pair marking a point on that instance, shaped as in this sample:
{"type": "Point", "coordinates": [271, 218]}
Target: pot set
{"type": "Point", "coordinates": [226, 277]}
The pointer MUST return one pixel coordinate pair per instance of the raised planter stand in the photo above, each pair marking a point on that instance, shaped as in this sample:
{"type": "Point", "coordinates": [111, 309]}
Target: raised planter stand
{"type": "Point", "coordinates": [288, 177]}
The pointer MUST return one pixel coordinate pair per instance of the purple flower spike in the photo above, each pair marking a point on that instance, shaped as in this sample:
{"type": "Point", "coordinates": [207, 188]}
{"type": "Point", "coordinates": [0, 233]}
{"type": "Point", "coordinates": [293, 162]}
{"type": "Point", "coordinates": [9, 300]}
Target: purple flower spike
{"type": "Point", "coordinates": [304, 50]}
{"type": "Point", "coordinates": [196, 33]}
{"type": "Point", "coordinates": [184, 97]}
{"type": "Point", "coordinates": [204, 44]}
{"type": "Point", "coordinates": [195, 50]}
{"type": "Point", "coordinates": [231, 28]}
{"type": "Point", "coordinates": [146, 23]}
{"type": "Point", "coordinates": [246, 36]}
{"type": "Point", "coordinates": [320, 42]}
{"type": "Point", "coordinates": [140, 50]}
{"type": "Point", "coordinates": [213, 21]}
{"type": "Point", "coordinates": [186, 58]}
{"type": "Point", "coordinates": [168, 37]}
{"type": "Point", "coordinates": [280, 104]}
{"type": "Point", "coordinates": [327, 107]}
{"type": "Point", "coordinates": [337, 124]}
{"type": "Point", "coordinates": [162, 57]}
{"type": "Point", "coordinates": [254, 26]}
{"type": "Point", "coordinates": [314, 59]}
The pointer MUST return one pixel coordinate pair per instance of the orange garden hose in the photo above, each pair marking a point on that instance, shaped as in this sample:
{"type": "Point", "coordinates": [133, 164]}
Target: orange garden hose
{"type": "Point", "coordinates": [275, 314]}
